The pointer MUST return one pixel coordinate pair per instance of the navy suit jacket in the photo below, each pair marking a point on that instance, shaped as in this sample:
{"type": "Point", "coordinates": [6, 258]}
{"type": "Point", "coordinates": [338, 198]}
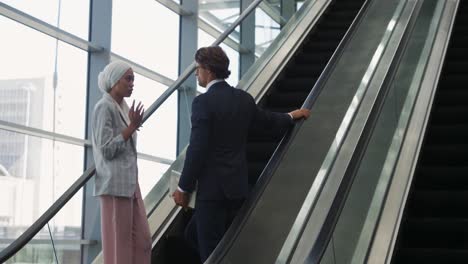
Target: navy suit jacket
{"type": "Point", "coordinates": [216, 161]}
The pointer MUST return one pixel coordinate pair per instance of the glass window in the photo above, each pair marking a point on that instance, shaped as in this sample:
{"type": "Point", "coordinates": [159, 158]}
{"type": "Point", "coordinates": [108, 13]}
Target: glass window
{"type": "Point", "coordinates": [65, 227]}
{"type": "Point", "coordinates": [74, 15]}
{"type": "Point", "coordinates": [158, 136]}
{"type": "Point", "coordinates": [266, 30]}
{"type": "Point", "coordinates": [147, 33]}
{"type": "Point", "coordinates": [35, 172]}
{"type": "Point", "coordinates": [220, 14]}
{"type": "Point", "coordinates": [43, 82]}
{"type": "Point", "coordinates": [149, 173]}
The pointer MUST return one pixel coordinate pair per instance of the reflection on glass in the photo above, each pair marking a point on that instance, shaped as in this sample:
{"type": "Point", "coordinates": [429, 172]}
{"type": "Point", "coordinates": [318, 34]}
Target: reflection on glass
{"type": "Point", "coordinates": [158, 136]}
{"type": "Point", "coordinates": [204, 40]}
{"type": "Point", "coordinates": [266, 30]}
{"type": "Point", "coordinates": [149, 38]}
{"type": "Point", "coordinates": [276, 4]}
{"type": "Point", "coordinates": [65, 228]}
{"type": "Point", "coordinates": [34, 172]}
{"type": "Point", "coordinates": [299, 4]}
{"type": "Point", "coordinates": [27, 85]}
{"type": "Point", "coordinates": [220, 14]}
{"type": "Point", "coordinates": [73, 16]}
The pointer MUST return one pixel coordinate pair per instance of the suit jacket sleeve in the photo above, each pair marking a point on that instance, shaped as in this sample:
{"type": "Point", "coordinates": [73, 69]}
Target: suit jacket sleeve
{"type": "Point", "coordinates": [270, 121]}
{"type": "Point", "coordinates": [197, 150]}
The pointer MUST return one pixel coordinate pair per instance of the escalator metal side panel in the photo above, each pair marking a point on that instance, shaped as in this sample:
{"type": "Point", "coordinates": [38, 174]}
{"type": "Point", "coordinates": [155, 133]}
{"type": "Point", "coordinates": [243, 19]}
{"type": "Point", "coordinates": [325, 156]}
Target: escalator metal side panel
{"type": "Point", "coordinates": [384, 239]}
{"type": "Point", "coordinates": [329, 207]}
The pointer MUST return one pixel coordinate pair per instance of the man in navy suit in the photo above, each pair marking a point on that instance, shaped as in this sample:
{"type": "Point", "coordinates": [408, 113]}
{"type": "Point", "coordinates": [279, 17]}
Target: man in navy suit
{"type": "Point", "coordinates": [216, 161]}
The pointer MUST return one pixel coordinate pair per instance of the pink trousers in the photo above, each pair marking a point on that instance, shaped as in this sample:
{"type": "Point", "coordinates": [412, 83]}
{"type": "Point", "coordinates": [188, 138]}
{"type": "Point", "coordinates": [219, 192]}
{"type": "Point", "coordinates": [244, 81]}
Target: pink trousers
{"type": "Point", "coordinates": [125, 231]}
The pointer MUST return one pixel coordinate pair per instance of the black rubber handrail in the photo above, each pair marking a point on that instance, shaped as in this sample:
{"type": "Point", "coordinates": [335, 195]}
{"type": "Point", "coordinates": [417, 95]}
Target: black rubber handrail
{"type": "Point", "coordinates": [24, 238]}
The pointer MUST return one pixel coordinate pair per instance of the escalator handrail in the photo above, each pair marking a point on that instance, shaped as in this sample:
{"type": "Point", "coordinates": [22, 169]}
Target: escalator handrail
{"type": "Point", "coordinates": [415, 122]}
{"type": "Point", "coordinates": [24, 238]}
{"type": "Point", "coordinates": [249, 205]}
{"type": "Point", "coordinates": [317, 250]}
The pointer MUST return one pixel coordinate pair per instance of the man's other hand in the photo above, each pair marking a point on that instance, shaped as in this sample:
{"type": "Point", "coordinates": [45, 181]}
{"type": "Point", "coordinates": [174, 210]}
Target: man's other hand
{"type": "Point", "coordinates": [181, 198]}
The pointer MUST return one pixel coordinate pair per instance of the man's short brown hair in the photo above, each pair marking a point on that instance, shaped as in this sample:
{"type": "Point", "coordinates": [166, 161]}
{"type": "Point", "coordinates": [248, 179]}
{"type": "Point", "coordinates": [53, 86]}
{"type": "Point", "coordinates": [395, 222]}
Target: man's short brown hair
{"type": "Point", "coordinates": [215, 60]}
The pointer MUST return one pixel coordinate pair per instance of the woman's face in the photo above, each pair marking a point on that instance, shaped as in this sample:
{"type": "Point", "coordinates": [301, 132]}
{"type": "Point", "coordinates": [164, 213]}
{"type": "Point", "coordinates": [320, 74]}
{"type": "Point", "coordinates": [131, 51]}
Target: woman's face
{"type": "Point", "coordinates": [124, 87]}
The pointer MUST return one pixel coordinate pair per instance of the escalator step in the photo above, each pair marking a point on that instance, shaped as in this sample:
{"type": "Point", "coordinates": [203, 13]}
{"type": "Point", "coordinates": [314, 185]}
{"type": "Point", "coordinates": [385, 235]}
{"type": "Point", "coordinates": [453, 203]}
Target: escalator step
{"type": "Point", "coordinates": [328, 35]}
{"type": "Point", "coordinates": [285, 99]}
{"type": "Point", "coordinates": [460, 39]}
{"type": "Point", "coordinates": [303, 71]}
{"type": "Point", "coordinates": [255, 169]}
{"type": "Point", "coordinates": [260, 151]}
{"type": "Point", "coordinates": [311, 58]}
{"type": "Point", "coordinates": [436, 233]}
{"type": "Point", "coordinates": [437, 203]}
{"type": "Point", "coordinates": [351, 7]}
{"type": "Point", "coordinates": [460, 30]}
{"type": "Point", "coordinates": [296, 84]}
{"type": "Point", "coordinates": [442, 178]}
{"type": "Point", "coordinates": [329, 24]}
{"type": "Point", "coordinates": [346, 15]}
{"type": "Point", "coordinates": [431, 256]}
{"type": "Point", "coordinates": [452, 97]}
{"type": "Point", "coordinates": [457, 53]}
{"type": "Point", "coordinates": [449, 115]}
{"type": "Point", "coordinates": [453, 81]}
{"type": "Point", "coordinates": [320, 46]}
{"type": "Point", "coordinates": [457, 66]}
{"type": "Point", "coordinates": [447, 134]}
{"type": "Point", "coordinates": [445, 154]}
{"type": "Point", "coordinates": [281, 109]}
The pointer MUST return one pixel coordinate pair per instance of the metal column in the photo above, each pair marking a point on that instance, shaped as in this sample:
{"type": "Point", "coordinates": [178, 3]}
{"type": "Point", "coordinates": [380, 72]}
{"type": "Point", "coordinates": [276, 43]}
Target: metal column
{"type": "Point", "coordinates": [100, 34]}
{"type": "Point", "coordinates": [187, 48]}
{"type": "Point", "coordinates": [247, 32]}
{"type": "Point", "coordinates": [288, 8]}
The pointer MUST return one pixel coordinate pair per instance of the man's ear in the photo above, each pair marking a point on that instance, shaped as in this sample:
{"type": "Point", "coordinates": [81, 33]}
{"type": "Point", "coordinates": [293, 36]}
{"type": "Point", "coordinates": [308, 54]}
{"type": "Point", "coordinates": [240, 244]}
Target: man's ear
{"type": "Point", "coordinates": [212, 75]}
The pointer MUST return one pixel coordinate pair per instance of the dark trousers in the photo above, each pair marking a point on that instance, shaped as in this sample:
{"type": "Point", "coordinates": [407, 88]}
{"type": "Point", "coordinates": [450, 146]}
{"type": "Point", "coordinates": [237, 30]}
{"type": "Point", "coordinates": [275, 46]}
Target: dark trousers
{"type": "Point", "coordinates": [209, 223]}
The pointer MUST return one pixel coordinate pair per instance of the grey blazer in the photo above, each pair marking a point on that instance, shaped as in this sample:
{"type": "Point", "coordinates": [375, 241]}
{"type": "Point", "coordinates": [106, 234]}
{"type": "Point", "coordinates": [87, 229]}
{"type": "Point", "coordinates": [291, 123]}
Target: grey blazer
{"type": "Point", "coordinates": [115, 158]}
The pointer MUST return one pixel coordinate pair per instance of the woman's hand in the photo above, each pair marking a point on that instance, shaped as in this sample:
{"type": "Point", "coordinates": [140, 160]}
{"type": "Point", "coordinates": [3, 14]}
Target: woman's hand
{"type": "Point", "coordinates": [136, 115]}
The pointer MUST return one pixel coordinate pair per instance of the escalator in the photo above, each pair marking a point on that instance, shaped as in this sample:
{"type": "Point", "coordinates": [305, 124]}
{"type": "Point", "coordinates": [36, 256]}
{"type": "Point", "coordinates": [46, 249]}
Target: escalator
{"type": "Point", "coordinates": [295, 83]}
{"type": "Point", "coordinates": [434, 228]}
{"type": "Point", "coordinates": [288, 92]}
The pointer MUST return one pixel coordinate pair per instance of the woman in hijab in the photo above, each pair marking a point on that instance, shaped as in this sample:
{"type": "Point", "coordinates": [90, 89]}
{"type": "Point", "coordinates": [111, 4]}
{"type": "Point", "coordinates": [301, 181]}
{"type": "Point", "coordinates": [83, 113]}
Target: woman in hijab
{"type": "Point", "coordinates": [125, 231]}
